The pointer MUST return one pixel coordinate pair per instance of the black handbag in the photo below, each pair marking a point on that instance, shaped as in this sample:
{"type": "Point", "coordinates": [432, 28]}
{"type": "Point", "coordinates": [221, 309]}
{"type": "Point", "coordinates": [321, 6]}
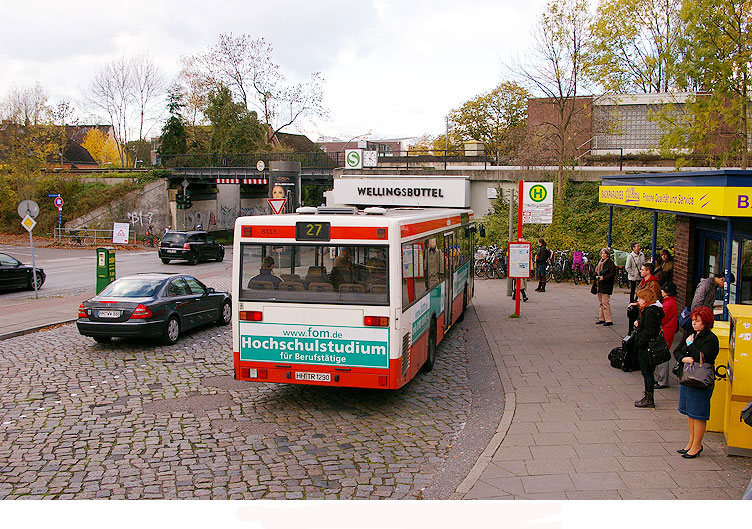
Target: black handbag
{"type": "Point", "coordinates": [594, 288]}
{"type": "Point", "coordinates": [698, 374]}
{"type": "Point", "coordinates": [658, 351]}
{"type": "Point", "coordinates": [677, 369]}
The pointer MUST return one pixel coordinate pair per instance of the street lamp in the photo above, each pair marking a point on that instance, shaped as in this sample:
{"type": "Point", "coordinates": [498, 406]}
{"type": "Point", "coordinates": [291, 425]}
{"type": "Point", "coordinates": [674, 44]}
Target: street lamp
{"type": "Point", "coordinates": [355, 138]}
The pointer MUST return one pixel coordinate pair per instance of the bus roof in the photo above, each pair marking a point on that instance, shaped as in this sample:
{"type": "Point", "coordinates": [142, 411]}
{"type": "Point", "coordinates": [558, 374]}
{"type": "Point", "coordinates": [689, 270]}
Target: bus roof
{"type": "Point", "coordinates": [411, 222]}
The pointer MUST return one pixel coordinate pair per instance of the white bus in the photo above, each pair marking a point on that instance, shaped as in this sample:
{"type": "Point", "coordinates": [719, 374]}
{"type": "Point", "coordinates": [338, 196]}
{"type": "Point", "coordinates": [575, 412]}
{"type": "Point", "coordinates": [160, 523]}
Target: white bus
{"type": "Point", "coordinates": [348, 297]}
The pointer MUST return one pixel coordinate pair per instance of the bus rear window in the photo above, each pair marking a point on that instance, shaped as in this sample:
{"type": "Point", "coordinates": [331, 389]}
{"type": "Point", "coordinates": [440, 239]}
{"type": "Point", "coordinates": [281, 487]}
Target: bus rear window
{"type": "Point", "coordinates": [340, 275]}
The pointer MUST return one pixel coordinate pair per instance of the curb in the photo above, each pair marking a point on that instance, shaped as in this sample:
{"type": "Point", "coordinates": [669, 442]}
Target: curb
{"type": "Point", "coordinates": [510, 405]}
{"type": "Point", "coordinates": [30, 330]}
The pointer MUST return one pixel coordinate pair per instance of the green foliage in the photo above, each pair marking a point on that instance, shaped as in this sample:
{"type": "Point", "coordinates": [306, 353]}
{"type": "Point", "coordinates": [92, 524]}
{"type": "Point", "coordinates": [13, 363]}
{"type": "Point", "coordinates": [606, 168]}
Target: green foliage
{"type": "Point", "coordinates": [234, 128]}
{"type": "Point", "coordinates": [581, 223]}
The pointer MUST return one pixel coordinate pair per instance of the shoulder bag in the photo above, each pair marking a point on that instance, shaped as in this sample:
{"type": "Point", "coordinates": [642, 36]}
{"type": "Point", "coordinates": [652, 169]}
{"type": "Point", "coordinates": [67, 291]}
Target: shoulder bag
{"type": "Point", "coordinates": [698, 375]}
{"type": "Point", "coordinates": [658, 351]}
{"type": "Point", "coordinates": [594, 287]}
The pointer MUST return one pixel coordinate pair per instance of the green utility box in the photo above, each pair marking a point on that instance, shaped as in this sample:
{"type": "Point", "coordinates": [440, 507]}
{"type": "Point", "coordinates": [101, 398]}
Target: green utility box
{"type": "Point", "coordinates": [105, 267]}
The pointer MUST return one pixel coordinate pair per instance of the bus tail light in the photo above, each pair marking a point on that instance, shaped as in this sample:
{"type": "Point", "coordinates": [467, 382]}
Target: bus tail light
{"type": "Point", "coordinates": [81, 311]}
{"type": "Point", "coordinates": [263, 374]}
{"type": "Point", "coordinates": [382, 380]}
{"type": "Point", "coordinates": [376, 321]}
{"type": "Point", "coordinates": [251, 315]}
{"type": "Point", "coordinates": [141, 312]}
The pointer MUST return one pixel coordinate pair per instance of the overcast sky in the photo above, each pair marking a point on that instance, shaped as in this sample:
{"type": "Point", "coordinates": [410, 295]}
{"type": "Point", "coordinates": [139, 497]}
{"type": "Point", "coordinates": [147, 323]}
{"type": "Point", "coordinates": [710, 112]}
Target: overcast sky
{"type": "Point", "coordinates": [394, 68]}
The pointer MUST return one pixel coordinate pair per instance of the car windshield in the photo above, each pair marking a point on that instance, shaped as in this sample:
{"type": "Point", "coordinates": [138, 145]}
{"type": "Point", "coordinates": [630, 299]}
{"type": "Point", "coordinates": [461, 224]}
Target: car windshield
{"type": "Point", "coordinates": [132, 288]}
{"type": "Point", "coordinates": [342, 275]}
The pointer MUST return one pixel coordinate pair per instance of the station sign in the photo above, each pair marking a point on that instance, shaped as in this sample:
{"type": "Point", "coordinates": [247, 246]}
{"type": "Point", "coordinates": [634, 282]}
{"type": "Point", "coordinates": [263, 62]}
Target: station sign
{"type": "Point", "coordinates": [537, 202]}
{"type": "Point", "coordinates": [700, 200]}
{"type": "Point", "coordinates": [416, 191]}
{"type": "Point", "coordinates": [354, 158]}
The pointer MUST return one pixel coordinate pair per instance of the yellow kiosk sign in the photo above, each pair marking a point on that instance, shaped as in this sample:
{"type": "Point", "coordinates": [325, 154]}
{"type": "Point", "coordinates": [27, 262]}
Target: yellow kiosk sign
{"type": "Point", "coordinates": [712, 201]}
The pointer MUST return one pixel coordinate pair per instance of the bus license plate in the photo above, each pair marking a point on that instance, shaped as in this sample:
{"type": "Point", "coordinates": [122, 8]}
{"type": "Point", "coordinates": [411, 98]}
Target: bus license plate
{"type": "Point", "coordinates": [108, 313]}
{"type": "Point", "coordinates": [314, 377]}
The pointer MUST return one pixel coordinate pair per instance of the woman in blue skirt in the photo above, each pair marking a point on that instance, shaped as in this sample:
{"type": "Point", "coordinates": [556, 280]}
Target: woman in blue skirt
{"type": "Point", "coordinates": [695, 402]}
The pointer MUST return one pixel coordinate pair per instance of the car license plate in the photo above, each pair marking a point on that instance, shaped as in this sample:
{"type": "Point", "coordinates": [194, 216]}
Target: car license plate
{"type": "Point", "coordinates": [172, 251]}
{"type": "Point", "coordinates": [108, 313]}
{"type": "Point", "coordinates": [315, 377]}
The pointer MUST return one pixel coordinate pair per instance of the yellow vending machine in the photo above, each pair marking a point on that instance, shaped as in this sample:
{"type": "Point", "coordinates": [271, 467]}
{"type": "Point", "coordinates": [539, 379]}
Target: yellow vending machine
{"type": "Point", "coordinates": [738, 435]}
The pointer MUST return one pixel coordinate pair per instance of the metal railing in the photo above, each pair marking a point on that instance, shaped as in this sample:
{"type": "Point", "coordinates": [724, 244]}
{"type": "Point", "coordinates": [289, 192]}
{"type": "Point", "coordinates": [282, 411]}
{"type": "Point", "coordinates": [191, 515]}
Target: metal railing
{"type": "Point", "coordinates": [87, 236]}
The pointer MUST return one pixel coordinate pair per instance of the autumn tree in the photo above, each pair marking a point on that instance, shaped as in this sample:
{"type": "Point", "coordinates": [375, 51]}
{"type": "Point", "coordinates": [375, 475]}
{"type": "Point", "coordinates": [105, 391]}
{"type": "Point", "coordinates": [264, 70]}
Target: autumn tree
{"type": "Point", "coordinates": [102, 147]}
{"type": "Point", "coordinates": [495, 118]}
{"type": "Point", "coordinates": [245, 67]}
{"type": "Point", "coordinates": [635, 45]}
{"type": "Point", "coordinates": [28, 137]}
{"type": "Point", "coordinates": [557, 72]}
{"type": "Point", "coordinates": [234, 128]}
{"type": "Point", "coordinates": [718, 59]}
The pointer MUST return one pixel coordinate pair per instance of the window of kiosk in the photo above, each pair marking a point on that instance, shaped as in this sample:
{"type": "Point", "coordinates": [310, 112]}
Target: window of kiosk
{"type": "Point", "coordinates": [744, 282]}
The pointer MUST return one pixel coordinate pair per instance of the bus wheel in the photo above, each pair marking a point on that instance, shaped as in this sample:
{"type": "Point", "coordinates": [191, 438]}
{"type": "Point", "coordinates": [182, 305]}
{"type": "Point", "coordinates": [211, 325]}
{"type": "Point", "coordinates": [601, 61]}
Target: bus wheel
{"type": "Point", "coordinates": [464, 306]}
{"type": "Point", "coordinates": [428, 366]}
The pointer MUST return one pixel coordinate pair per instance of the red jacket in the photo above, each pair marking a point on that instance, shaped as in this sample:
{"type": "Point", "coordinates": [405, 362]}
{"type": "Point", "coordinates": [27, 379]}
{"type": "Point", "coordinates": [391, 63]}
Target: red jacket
{"type": "Point", "coordinates": [670, 320]}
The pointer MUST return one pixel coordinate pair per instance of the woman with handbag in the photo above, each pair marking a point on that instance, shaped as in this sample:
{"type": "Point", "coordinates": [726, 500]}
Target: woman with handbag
{"type": "Point", "coordinates": [699, 351]}
{"type": "Point", "coordinates": [648, 329]}
{"type": "Point", "coordinates": [605, 273]}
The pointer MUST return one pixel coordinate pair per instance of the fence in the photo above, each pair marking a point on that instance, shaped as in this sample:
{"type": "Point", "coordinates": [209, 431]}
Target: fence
{"type": "Point", "coordinates": [87, 236]}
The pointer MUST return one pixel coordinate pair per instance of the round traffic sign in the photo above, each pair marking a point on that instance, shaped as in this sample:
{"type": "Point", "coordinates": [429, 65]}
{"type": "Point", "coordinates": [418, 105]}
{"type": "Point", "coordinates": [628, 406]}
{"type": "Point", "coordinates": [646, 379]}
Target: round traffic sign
{"type": "Point", "coordinates": [260, 165]}
{"type": "Point", "coordinates": [59, 202]}
{"type": "Point", "coordinates": [28, 207]}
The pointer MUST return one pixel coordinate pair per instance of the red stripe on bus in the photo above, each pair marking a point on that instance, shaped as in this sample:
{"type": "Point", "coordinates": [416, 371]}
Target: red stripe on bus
{"type": "Point", "coordinates": [268, 232]}
{"type": "Point", "coordinates": [358, 232]}
{"type": "Point", "coordinates": [337, 232]}
{"type": "Point", "coordinates": [429, 225]}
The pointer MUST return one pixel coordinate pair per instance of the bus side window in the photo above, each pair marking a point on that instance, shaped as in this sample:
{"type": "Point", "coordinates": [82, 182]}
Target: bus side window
{"type": "Point", "coordinates": [434, 262]}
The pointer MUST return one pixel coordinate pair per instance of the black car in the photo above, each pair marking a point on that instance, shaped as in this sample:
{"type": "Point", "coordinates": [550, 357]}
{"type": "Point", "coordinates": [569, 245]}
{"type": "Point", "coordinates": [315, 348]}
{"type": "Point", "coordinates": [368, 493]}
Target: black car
{"type": "Point", "coordinates": [152, 305]}
{"type": "Point", "coordinates": [14, 274]}
{"type": "Point", "coordinates": [192, 246]}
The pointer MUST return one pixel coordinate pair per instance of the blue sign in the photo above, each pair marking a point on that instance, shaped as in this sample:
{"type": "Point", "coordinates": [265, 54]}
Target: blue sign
{"type": "Point", "coordinates": [53, 195]}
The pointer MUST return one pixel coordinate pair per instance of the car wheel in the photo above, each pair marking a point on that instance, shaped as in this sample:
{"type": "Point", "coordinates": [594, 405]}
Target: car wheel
{"type": "Point", "coordinates": [165, 261]}
{"type": "Point", "coordinates": [38, 279]}
{"type": "Point", "coordinates": [103, 339]}
{"type": "Point", "coordinates": [171, 331]}
{"type": "Point", "coordinates": [225, 314]}
{"type": "Point", "coordinates": [221, 257]}
{"type": "Point", "coordinates": [193, 259]}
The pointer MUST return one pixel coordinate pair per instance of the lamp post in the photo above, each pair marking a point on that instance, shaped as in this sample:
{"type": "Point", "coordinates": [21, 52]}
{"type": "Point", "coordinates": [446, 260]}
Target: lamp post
{"type": "Point", "coordinates": [354, 138]}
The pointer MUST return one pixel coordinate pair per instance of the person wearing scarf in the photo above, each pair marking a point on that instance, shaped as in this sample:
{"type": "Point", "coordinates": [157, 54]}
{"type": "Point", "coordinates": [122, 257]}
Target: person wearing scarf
{"type": "Point", "coordinates": [648, 327]}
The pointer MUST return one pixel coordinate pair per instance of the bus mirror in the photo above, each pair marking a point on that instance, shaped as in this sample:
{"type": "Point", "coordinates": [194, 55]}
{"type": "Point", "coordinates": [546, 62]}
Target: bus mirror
{"type": "Point", "coordinates": [482, 230]}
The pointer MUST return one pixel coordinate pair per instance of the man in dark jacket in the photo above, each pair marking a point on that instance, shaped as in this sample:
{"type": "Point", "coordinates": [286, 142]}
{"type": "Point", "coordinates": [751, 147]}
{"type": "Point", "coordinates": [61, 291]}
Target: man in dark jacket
{"type": "Point", "coordinates": [605, 273]}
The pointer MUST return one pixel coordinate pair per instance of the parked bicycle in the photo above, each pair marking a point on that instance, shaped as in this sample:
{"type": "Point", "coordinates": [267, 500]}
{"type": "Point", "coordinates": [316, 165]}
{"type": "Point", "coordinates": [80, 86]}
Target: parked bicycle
{"type": "Point", "coordinates": [559, 270]}
{"type": "Point", "coordinates": [582, 268]}
{"type": "Point", "coordinates": [490, 262]}
{"type": "Point", "coordinates": [150, 238]}
{"type": "Point", "coordinates": [621, 277]}
{"type": "Point", "coordinates": [80, 237]}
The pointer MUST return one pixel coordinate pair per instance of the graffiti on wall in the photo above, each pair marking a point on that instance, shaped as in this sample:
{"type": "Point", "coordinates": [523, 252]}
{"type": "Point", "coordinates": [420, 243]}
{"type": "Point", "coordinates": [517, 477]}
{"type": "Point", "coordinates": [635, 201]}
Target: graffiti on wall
{"type": "Point", "coordinates": [139, 218]}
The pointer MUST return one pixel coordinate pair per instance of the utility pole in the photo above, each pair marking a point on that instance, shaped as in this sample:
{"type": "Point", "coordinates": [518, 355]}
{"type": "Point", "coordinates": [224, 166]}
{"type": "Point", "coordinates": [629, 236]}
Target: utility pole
{"type": "Point", "coordinates": [511, 237]}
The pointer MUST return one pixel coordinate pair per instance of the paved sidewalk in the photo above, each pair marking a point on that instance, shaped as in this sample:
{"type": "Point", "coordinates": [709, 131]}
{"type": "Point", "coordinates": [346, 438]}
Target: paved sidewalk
{"type": "Point", "coordinates": [570, 429]}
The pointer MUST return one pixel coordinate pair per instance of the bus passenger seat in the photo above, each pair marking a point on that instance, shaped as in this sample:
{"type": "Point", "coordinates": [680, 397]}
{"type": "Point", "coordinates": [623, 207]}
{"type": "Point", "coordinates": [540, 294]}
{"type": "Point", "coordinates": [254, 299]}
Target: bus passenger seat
{"type": "Point", "coordinates": [378, 289]}
{"type": "Point", "coordinates": [289, 277]}
{"type": "Point", "coordinates": [261, 285]}
{"type": "Point", "coordinates": [291, 286]}
{"type": "Point", "coordinates": [351, 287]}
{"type": "Point", "coordinates": [316, 274]}
{"type": "Point", "coordinates": [321, 287]}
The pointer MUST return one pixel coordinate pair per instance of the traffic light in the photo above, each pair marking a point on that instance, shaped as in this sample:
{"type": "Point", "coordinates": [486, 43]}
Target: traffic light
{"type": "Point", "coordinates": [187, 203]}
{"type": "Point", "coordinates": [180, 200]}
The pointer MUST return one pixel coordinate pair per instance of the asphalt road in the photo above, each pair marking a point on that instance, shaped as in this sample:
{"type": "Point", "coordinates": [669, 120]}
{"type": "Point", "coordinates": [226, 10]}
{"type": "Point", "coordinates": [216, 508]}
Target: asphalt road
{"type": "Point", "coordinates": [74, 270]}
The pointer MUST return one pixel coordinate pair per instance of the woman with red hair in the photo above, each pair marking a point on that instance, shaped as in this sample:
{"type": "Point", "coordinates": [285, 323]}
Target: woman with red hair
{"type": "Point", "coordinates": [695, 402]}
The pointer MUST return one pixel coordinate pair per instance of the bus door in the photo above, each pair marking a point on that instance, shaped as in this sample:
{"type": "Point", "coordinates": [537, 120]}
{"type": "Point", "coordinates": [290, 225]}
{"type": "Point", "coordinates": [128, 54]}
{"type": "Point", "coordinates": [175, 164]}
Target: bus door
{"type": "Point", "coordinates": [449, 264]}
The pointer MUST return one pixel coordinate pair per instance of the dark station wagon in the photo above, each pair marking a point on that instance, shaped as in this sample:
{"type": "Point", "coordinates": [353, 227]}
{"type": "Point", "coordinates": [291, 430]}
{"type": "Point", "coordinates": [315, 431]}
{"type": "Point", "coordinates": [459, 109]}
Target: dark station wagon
{"type": "Point", "coordinates": [191, 246]}
{"type": "Point", "coordinates": [152, 306]}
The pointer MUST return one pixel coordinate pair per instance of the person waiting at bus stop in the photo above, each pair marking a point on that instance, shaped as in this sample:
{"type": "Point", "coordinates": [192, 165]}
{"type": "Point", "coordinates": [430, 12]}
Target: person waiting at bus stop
{"type": "Point", "coordinates": [541, 262]}
{"type": "Point", "coordinates": [605, 273]}
{"type": "Point", "coordinates": [265, 274]}
{"type": "Point", "coordinates": [648, 327]}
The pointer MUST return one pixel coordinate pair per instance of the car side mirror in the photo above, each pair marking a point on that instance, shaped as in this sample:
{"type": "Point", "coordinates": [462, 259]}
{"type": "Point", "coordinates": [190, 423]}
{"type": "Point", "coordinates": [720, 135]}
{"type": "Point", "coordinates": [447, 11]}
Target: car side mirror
{"type": "Point", "coordinates": [210, 290]}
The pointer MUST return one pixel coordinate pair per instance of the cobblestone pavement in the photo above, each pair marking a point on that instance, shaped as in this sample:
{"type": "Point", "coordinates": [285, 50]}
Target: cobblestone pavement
{"type": "Point", "coordinates": [134, 420]}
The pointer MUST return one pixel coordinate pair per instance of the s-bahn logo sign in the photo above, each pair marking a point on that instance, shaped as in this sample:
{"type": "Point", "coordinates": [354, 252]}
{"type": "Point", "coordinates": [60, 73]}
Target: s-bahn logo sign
{"type": "Point", "coordinates": [354, 158]}
{"type": "Point", "coordinates": [537, 202]}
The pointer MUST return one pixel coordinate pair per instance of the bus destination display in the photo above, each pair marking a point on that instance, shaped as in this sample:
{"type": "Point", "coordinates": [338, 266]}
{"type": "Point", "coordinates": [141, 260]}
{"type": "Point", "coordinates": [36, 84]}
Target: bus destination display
{"type": "Point", "coordinates": [312, 231]}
